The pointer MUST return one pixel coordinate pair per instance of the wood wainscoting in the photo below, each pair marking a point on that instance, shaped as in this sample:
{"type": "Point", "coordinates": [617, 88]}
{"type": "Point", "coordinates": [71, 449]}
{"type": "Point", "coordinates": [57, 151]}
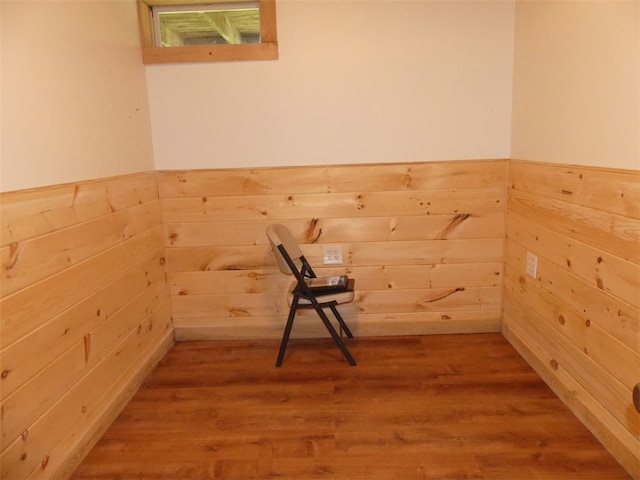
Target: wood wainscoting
{"type": "Point", "coordinates": [86, 314]}
{"type": "Point", "coordinates": [424, 241]}
{"type": "Point", "coordinates": [578, 321]}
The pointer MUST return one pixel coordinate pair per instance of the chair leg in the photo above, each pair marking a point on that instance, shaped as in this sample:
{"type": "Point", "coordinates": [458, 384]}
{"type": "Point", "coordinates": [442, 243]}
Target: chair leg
{"type": "Point", "coordinates": [334, 334]}
{"type": "Point", "coordinates": [287, 331]}
{"type": "Point", "coordinates": [343, 325]}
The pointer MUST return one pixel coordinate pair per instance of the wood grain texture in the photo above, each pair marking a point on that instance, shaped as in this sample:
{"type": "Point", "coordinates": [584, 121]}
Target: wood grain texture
{"type": "Point", "coordinates": [442, 406]}
{"type": "Point", "coordinates": [578, 321]}
{"type": "Point", "coordinates": [85, 309]}
{"type": "Point", "coordinates": [335, 178]}
{"type": "Point", "coordinates": [29, 213]}
{"type": "Point", "coordinates": [419, 237]}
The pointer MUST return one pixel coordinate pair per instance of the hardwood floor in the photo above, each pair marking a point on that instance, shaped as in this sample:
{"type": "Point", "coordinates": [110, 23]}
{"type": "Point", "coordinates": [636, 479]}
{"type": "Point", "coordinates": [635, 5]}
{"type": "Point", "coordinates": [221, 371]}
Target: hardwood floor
{"type": "Point", "coordinates": [434, 407]}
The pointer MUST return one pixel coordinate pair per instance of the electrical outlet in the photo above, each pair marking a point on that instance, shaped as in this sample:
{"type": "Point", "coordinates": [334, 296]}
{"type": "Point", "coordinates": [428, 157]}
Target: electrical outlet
{"type": "Point", "coordinates": [332, 254]}
{"type": "Point", "coordinates": [532, 265]}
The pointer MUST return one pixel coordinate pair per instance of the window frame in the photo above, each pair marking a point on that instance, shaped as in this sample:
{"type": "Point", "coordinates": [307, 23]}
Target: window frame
{"type": "Point", "coordinates": [267, 49]}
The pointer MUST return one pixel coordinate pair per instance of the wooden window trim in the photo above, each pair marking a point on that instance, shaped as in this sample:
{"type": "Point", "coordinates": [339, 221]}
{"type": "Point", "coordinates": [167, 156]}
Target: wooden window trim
{"type": "Point", "coordinates": [266, 50]}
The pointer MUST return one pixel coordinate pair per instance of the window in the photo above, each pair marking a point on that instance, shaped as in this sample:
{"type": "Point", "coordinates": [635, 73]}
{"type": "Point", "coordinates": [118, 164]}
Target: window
{"type": "Point", "coordinates": [207, 30]}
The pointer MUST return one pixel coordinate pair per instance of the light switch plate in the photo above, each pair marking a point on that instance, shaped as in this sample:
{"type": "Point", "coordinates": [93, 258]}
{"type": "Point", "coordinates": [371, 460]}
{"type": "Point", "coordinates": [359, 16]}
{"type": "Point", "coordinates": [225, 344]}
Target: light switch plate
{"type": "Point", "coordinates": [332, 254]}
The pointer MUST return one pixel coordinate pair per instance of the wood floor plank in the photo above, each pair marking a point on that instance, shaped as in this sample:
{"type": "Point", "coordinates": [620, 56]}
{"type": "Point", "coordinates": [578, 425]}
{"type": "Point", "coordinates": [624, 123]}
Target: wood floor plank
{"type": "Point", "coordinates": [433, 407]}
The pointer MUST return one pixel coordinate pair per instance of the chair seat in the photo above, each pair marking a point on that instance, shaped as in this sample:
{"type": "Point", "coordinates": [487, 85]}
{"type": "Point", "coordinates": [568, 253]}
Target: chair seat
{"type": "Point", "coordinates": [342, 296]}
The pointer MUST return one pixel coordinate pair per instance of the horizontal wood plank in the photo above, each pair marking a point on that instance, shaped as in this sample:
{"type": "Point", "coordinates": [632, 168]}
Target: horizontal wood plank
{"type": "Point", "coordinates": [333, 179]}
{"type": "Point", "coordinates": [384, 301]}
{"type": "Point", "coordinates": [612, 191]}
{"type": "Point", "coordinates": [361, 324]}
{"type": "Point", "coordinates": [334, 205]}
{"type": "Point", "coordinates": [361, 254]}
{"type": "Point", "coordinates": [21, 315]}
{"type": "Point", "coordinates": [619, 359]}
{"type": "Point", "coordinates": [40, 392]}
{"type": "Point", "coordinates": [29, 451]}
{"type": "Point", "coordinates": [23, 359]}
{"type": "Point", "coordinates": [33, 260]}
{"type": "Point", "coordinates": [613, 233]}
{"type": "Point", "coordinates": [29, 213]}
{"type": "Point", "coordinates": [619, 318]}
{"type": "Point", "coordinates": [367, 278]}
{"type": "Point", "coordinates": [339, 230]}
{"type": "Point", "coordinates": [595, 266]}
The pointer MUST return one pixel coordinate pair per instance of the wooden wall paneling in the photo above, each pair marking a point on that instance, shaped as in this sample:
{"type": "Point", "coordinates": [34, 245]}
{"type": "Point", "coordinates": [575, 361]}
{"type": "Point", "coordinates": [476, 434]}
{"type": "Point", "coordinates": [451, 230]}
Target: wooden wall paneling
{"type": "Point", "coordinates": [24, 358]}
{"type": "Point", "coordinates": [84, 299]}
{"type": "Point", "coordinates": [618, 318]}
{"type": "Point", "coordinates": [307, 326]}
{"type": "Point", "coordinates": [614, 191]}
{"type": "Point", "coordinates": [38, 394]}
{"type": "Point", "coordinates": [607, 391]}
{"type": "Point", "coordinates": [436, 299]}
{"type": "Point", "coordinates": [31, 307]}
{"type": "Point", "coordinates": [607, 231]}
{"type": "Point", "coordinates": [425, 323]}
{"type": "Point", "coordinates": [362, 254]}
{"type": "Point", "coordinates": [30, 450]}
{"type": "Point", "coordinates": [474, 250]}
{"type": "Point", "coordinates": [29, 213]}
{"type": "Point", "coordinates": [336, 178]}
{"type": "Point", "coordinates": [376, 301]}
{"type": "Point", "coordinates": [327, 230]}
{"type": "Point", "coordinates": [354, 204]}
{"type": "Point", "coordinates": [596, 267]}
{"type": "Point", "coordinates": [421, 237]}
{"type": "Point", "coordinates": [32, 260]}
{"type": "Point", "coordinates": [212, 282]}
{"type": "Point", "coordinates": [200, 328]}
{"type": "Point", "coordinates": [578, 321]}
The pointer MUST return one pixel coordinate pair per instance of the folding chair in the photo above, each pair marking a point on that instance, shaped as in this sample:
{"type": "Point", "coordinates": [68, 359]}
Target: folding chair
{"type": "Point", "coordinates": [302, 295]}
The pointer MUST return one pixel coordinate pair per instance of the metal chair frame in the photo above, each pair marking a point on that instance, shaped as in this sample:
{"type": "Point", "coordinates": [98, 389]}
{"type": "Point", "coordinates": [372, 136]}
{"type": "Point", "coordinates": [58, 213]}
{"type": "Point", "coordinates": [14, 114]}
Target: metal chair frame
{"type": "Point", "coordinates": [315, 299]}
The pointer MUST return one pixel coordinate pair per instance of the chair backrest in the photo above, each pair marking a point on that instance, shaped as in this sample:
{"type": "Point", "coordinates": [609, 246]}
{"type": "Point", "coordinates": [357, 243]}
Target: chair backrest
{"type": "Point", "coordinates": [280, 235]}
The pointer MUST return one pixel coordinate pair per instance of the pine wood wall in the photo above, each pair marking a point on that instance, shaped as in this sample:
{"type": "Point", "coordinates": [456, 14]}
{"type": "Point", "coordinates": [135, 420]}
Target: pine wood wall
{"type": "Point", "coordinates": [578, 321]}
{"type": "Point", "coordinates": [85, 313]}
{"type": "Point", "coordinates": [424, 241]}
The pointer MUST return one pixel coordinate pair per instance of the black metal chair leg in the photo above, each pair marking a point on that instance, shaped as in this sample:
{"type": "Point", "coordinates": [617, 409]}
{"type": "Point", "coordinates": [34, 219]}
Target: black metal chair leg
{"type": "Point", "coordinates": [334, 334]}
{"type": "Point", "coordinates": [343, 325]}
{"type": "Point", "coordinates": [287, 331]}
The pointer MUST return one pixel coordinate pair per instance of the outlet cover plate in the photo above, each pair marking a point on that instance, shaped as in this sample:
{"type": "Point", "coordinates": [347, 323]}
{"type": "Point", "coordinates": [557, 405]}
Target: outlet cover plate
{"type": "Point", "coordinates": [532, 265]}
{"type": "Point", "coordinates": [332, 254]}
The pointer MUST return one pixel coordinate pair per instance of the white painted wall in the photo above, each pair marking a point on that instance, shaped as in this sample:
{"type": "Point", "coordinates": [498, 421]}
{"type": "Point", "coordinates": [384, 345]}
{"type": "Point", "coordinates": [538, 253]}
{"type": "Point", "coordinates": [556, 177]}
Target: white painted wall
{"type": "Point", "coordinates": [74, 98]}
{"type": "Point", "coordinates": [357, 81]}
{"type": "Point", "coordinates": [577, 83]}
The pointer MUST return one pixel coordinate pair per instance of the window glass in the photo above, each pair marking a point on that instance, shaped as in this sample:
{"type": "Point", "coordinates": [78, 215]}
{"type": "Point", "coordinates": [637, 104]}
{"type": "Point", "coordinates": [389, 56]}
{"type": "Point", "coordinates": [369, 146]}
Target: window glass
{"type": "Point", "coordinates": [210, 24]}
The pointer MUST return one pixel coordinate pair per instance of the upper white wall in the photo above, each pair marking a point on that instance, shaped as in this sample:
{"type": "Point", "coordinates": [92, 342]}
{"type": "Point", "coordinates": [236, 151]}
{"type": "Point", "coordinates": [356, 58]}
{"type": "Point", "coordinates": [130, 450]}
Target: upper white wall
{"type": "Point", "coordinates": [577, 83]}
{"type": "Point", "coordinates": [357, 81]}
{"type": "Point", "coordinates": [74, 99]}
